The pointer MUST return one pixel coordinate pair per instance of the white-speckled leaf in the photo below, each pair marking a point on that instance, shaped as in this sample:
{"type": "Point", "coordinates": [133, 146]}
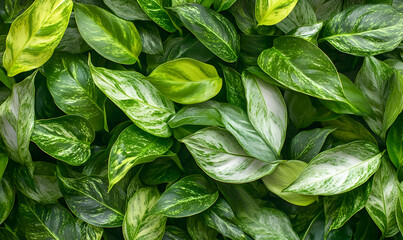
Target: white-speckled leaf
{"type": "Point", "coordinates": [394, 104]}
{"type": "Point", "coordinates": [338, 169]}
{"type": "Point", "coordinates": [7, 197]}
{"type": "Point", "coordinates": [88, 231]}
{"type": "Point", "coordinates": [270, 12]}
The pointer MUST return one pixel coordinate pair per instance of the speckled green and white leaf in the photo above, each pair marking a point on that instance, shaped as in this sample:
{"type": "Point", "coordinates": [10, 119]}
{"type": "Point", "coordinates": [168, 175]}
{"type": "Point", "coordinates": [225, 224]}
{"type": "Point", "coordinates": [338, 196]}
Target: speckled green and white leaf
{"type": "Point", "coordinates": [309, 33]}
{"type": "Point", "coordinates": [399, 216]}
{"type": "Point", "coordinates": [222, 5]}
{"type": "Point", "coordinates": [129, 10]}
{"type": "Point", "coordinates": [220, 156]}
{"type": "Point", "coordinates": [47, 221]}
{"type": "Point", "coordinates": [35, 34]}
{"type": "Point", "coordinates": [340, 208]}
{"type": "Point", "coordinates": [67, 138]}
{"type": "Point", "coordinates": [133, 147]}
{"type": "Point", "coordinates": [307, 144]}
{"type": "Point", "coordinates": [175, 233]}
{"type": "Point", "coordinates": [394, 104]}
{"type": "Point", "coordinates": [212, 29]}
{"type": "Point", "coordinates": [114, 38]}
{"type": "Point", "coordinates": [301, 66]}
{"type": "Point", "coordinates": [137, 98]}
{"type": "Point", "coordinates": [189, 196]}
{"type": "Point", "coordinates": [373, 80]}
{"type": "Point", "coordinates": [204, 114]}
{"type": "Point", "coordinates": [338, 169]}
{"type": "Point", "coordinates": [155, 9]}
{"type": "Point", "coordinates": [139, 223]}
{"type": "Point", "coordinates": [234, 87]}
{"type": "Point", "coordinates": [365, 30]}
{"type": "Point", "coordinates": [267, 111]}
{"type": "Point", "coordinates": [221, 218]}
{"type": "Point", "coordinates": [270, 12]}
{"type": "Point", "coordinates": [394, 142]}
{"type": "Point", "coordinates": [301, 15]}
{"type": "Point", "coordinates": [88, 231]}
{"type": "Point", "coordinates": [17, 121]}
{"type": "Point", "coordinates": [73, 90]}
{"type": "Point", "coordinates": [381, 204]}
{"type": "Point", "coordinates": [7, 197]}
{"type": "Point", "coordinates": [150, 38]}
{"type": "Point", "coordinates": [186, 81]}
{"type": "Point", "coordinates": [198, 230]}
{"type": "Point", "coordinates": [88, 198]}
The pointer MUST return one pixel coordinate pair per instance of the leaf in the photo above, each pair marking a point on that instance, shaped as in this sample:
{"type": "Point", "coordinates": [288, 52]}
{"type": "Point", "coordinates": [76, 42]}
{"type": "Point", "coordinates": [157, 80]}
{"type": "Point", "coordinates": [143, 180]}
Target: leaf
{"type": "Point", "coordinates": [394, 104]}
{"type": "Point", "coordinates": [301, 66]}
{"type": "Point", "coordinates": [326, 9]}
{"type": "Point", "coordinates": [301, 15]}
{"type": "Point", "coordinates": [206, 3]}
{"type": "Point", "coordinates": [267, 111]}
{"type": "Point", "coordinates": [88, 198]}
{"type": "Point", "coordinates": [139, 223]}
{"type": "Point", "coordinates": [150, 38]}
{"type": "Point", "coordinates": [73, 90]}
{"type": "Point", "coordinates": [186, 81]}
{"type": "Point", "coordinates": [128, 10]}
{"type": "Point", "coordinates": [114, 38]}
{"type": "Point", "coordinates": [134, 147]}
{"type": "Point", "coordinates": [162, 170]}
{"type": "Point", "coordinates": [72, 42]}
{"type": "Point", "coordinates": [137, 98]}
{"type": "Point", "coordinates": [270, 12]}
{"type": "Point", "coordinates": [175, 233]}
{"type": "Point", "coordinates": [3, 162]}
{"type": "Point", "coordinates": [67, 138]}
{"type": "Point", "coordinates": [47, 221]}
{"type": "Point", "coordinates": [88, 231]}
{"type": "Point", "coordinates": [220, 156]}
{"type": "Point", "coordinates": [155, 9]}
{"type": "Point", "coordinates": [212, 29]}
{"type": "Point", "coordinates": [399, 216]}
{"type": "Point", "coordinates": [38, 30]}
{"type": "Point", "coordinates": [17, 121]}
{"type": "Point", "coordinates": [7, 81]}
{"type": "Point", "coordinates": [244, 14]}
{"type": "Point", "coordinates": [365, 30]}
{"type": "Point", "coordinates": [13, 8]}
{"type": "Point", "coordinates": [221, 5]}
{"type": "Point", "coordinates": [234, 86]}
{"type": "Point", "coordinates": [394, 142]}
{"type": "Point", "coordinates": [188, 196]}
{"type": "Point", "coordinates": [7, 198]}
{"type": "Point", "coordinates": [198, 230]}
{"type": "Point", "coordinates": [381, 204]}
{"type": "Point", "coordinates": [351, 164]}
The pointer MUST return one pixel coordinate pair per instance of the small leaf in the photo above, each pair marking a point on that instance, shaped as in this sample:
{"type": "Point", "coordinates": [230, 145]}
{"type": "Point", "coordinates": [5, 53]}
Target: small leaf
{"type": "Point", "coordinates": [198, 230]}
{"type": "Point", "coordinates": [270, 12]}
{"type": "Point", "coordinates": [7, 198]}
{"type": "Point", "coordinates": [155, 9]}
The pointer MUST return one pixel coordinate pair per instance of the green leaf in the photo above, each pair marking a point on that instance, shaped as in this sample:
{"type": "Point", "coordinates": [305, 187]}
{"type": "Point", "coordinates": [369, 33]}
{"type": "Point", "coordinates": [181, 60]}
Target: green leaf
{"type": "Point", "coordinates": [301, 66]}
{"type": "Point", "coordinates": [307, 144]}
{"type": "Point", "coordinates": [381, 204]}
{"type": "Point", "coordinates": [8, 81]}
{"type": "Point", "coordinates": [365, 30]}
{"type": "Point", "coordinates": [114, 38]}
{"type": "Point", "coordinates": [134, 147]}
{"type": "Point", "coordinates": [188, 196]}
{"type": "Point", "coordinates": [137, 98]}
{"type": "Point", "coordinates": [301, 15]}
{"type": "Point", "coordinates": [309, 33]}
{"type": "Point", "coordinates": [175, 233]}
{"type": "Point", "coordinates": [128, 10]}
{"type": "Point", "coordinates": [88, 198]}
{"type": "Point", "coordinates": [399, 216]}
{"type": "Point", "coordinates": [270, 12]}
{"type": "Point", "coordinates": [7, 233]}
{"type": "Point", "coordinates": [73, 90]}
{"type": "Point", "coordinates": [244, 14]}
{"type": "Point", "coordinates": [186, 81]}
{"type": "Point", "coordinates": [72, 42]}
{"type": "Point", "coordinates": [47, 221]}
{"type": "Point", "coordinates": [3, 162]}
{"type": "Point", "coordinates": [212, 29]}
{"type": "Point", "coordinates": [162, 170]}
{"type": "Point", "coordinates": [222, 5]}
{"type": "Point", "coordinates": [38, 30]}
{"type": "Point", "coordinates": [351, 164]}
{"type": "Point", "coordinates": [67, 138]}
{"type": "Point", "coordinates": [13, 8]}
{"type": "Point", "coordinates": [325, 9]}
{"type": "Point", "coordinates": [220, 156]}
{"type": "Point", "coordinates": [206, 3]}
{"type": "Point", "coordinates": [234, 87]}
{"type": "Point", "coordinates": [88, 231]}
{"type": "Point", "coordinates": [267, 111]}
{"type": "Point", "coordinates": [198, 230]}
{"type": "Point", "coordinates": [7, 197]}
{"type": "Point", "coordinates": [394, 104]}
{"type": "Point", "coordinates": [396, 64]}
{"type": "Point", "coordinates": [155, 9]}
{"type": "Point", "coordinates": [17, 121]}
{"type": "Point", "coordinates": [139, 222]}
{"type": "Point", "coordinates": [394, 142]}
{"type": "Point", "coordinates": [150, 38]}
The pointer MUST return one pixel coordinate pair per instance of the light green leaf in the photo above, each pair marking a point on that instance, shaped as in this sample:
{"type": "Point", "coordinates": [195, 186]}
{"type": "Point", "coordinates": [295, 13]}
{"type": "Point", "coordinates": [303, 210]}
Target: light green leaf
{"type": "Point", "coordinates": [17, 121]}
{"type": "Point", "coordinates": [301, 15]}
{"type": "Point", "coordinates": [88, 231]}
{"type": "Point", "coordinates": [338, 170]}
{"type": "Point", "coordinates": [212, 29]}
{"type": "Point", "coordinates": [7, 197]}
{"type": "Point", "coordinates": [155, 9]}
{"type": "Point", "coordinates": [394, 104]}
{"type": "Point", "coordinates": [270, 12]}
{"type": "Point", "coordinates": [67, 138]}
{"type": "Point", "coordinates": [309, 33]}
{"type": "Point", "coordinates": [220, 156]}
{"type": "Point", "coordinates": [38, 30]}
{"type": "Point", "coordinates": [222, 5]}
{"type": "Point", "coordinates": [139, 223]}
{"type": "Point", "coordinates": [206, 3]}
{"type": "Point", "coordinates": [188, 196]}
{"type": "Point", "coordinates": [114, 38]}
{"type": "Point", "coordinates": [394, 142]}
{"type": "Point", "coordinates": [234, 87]}
{"type": "Point", "coordinates": [204, 114]}
{"type": "Point", "coordinates": [381, 204]}
{"type": "Point", "coordinates": [150, 38]}
{"type": "Point", "coordinates": [137, 98]}
{"type": "Point", "coordinates": [186, 81]}
{"type": "Point", "coordinates": [198, 230]}
{"type": "Point", "coordinates": [134, 147]}
{"type": "Point", "coordinates": [365, 30]}
{"type": "Point", "coordinates": [127, 9]}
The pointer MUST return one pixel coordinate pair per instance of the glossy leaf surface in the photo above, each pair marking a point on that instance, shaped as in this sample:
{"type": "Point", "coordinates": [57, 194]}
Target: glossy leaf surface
{"type": "Point", "coordinates": [270, 12]}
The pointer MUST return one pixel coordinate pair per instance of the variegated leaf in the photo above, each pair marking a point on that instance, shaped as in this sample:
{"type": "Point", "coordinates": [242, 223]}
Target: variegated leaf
{"type": "Point", "coordinates": [221, 5]}
{"type": "Point", "coordinates": [133, 147]}
{"type": "Point", "coordinates": [155, 9]}
{"type": "Point", "coordinates": [394, 104]}
{"type": "Point", "coordinates": [234, 87]}
{"type": "Point", "coordinates": [338, 170]}
{"type": "Point", "coordinates": [10, 9]}
{"type": "Point", "coordinates": [399, 216]}
{"type": "Point", "coordinates": [150, 38]}
{"type": "Point", "coordinates": [3, 162]}
{"type": "Point", "coordinates": [88, 231]}
{"type": "Point", "coordinates": [198, 230]}
{"type": "Point", "coordinates": [67, 138]}
{"type": "Point", "coordinates": [270, 12]}
{"type": "Point", "coordinates": [114, 38]}
{"type": "Point", "coordinates": [35, 34]}
{"type": "Point", "coordinates": [206, 3]}
{"type": "Point", "coordinates": [175, 233]}
{"type": "Point", "coordinates": [17, 121]}
{"type": "Point", "coordinates": [7, 197]}
{"type": "Point", "coordinates": [137, 98]}
{"type": "Point", "coordinates": [394, 142]}
{"type": "Point", "coordinates": [365, 30]}
{"type": "Point", "coordinates": [139, 223]}
{"type": "Point", "coordinates": [162, 170]}
{"type": "Point", "coordinates": [309, 33]}
{"type": "Point", "coordinates": [381, 204]}
{"type": "Point", "coordinates": [220, 156]}
{"type": "Point", "coordinates": [301, 15]}
{"type": "Point", "coordinates": [204, 114]}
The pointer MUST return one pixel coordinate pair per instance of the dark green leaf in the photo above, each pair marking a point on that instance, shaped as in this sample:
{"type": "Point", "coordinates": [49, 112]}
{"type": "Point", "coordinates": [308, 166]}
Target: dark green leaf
{"type": "Point", "coordinates": [7, 198]}
{"type": "Point", "coordinates": [394, 142]}
{"type": "Point", "coordinates": [127, 9]}
{"type": "Point", "coordinates": [155, 9]}
{"type": "Point", "coordinates": [234, 86]}
{"type": "Point", "coordinates": [150, 38]}
{"type": "Point", "coordinates": [162, 170]}
{"type": "Point", "coordinates": [198, 230]}
{"type": "Point", "coordinates": [301, 15]}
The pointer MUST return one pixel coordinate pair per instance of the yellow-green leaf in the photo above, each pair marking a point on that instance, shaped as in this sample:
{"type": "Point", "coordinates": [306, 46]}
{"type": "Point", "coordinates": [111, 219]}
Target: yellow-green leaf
{"type": "Point", "coordinates": [270, 12]}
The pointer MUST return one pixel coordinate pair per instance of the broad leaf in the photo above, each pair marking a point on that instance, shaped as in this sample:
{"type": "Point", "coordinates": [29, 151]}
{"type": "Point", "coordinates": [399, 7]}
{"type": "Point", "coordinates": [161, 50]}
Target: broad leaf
{"type": "Point", "coordinates": [326, 9]}
{"type": "Point", "coordinates": [309, 33]}
{"type": "Point", "coordinates": [162, 170]}
{"type": "Point", "coordinates": [7, 198]}
{"type": "Point", "coordinates": [270, 12]}
{"type": "Point", "coordinates": [67, 138]}
{"type": "Point", "coordinates": [221, 5]}
{"type": "Point", "coordinates": [155, 9]}
{"type": "Point", "coordinates": [150, 38]}
{"type": "Point", "coordinates": [244, 14]}
{"type": "Point", "coordinates": [218, 154]}
{"type": "Point", "coordinates": [198, 230]}
{"type": "Point", "coordinates": [205, 114]}
{"type": "Point", "coordinates": [301, 15]}
{"type": "Point", "coordinates": [129, 10]}
{"type": "Point", "coordinates": [114, 38]}
{"type": "Point", "coordinates": [351, 164]}
{"type": "Point", "coordinates": [394, 142]}
{"type": "Point", "coordinates": [88, 231]}
{"type": "Point", "coordinates": [206, 3]}
{"type": "Point", "coordinates": [234, 87]}
{"type": "Point", "coordinates": [13, 8]}
{"type": "Point", "coordinates": [38, 30]}
{"type": "Point", "coordinates": [212, 29]}
{"type": "Point", "coordinates": [394, 104]}
{"type": "Point", "coordinates": [7, 81]}
{"type": "Point", "coordinates": [3, 162]}
{"type": "Point", "coordinates": [175, 233]}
